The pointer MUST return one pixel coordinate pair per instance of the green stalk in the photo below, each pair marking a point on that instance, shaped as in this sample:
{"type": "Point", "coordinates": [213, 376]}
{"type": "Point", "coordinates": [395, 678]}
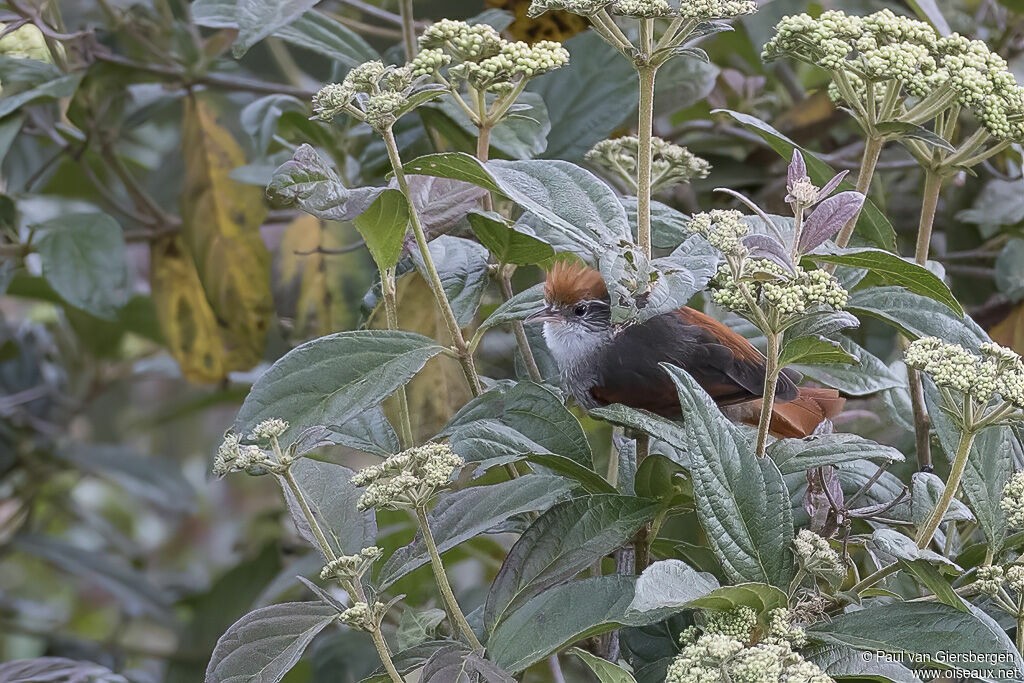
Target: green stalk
{"type": "Point", "coordinates": [871, 579]}
{"type": "Point", "coordinates": [442, 582]}
{"type": "Point", "coordinates": [408, 28]}
{"type": "Point", "coordinates": [433, 279]}
{"type": "Point", "coordinates": [956, 473]}
{"type": "Point", "coordinates": [643, 170]}
{"type": "Point", "coordinates": [771, 380]}
{"type": "Point", "coordinates": [520, 331]}
{"type": "Point", "coordinates": [387, 279]}
{"type": "Point", "coordinates": [385, 655]}
{"type": "Point", "coordinates": [868, 161]}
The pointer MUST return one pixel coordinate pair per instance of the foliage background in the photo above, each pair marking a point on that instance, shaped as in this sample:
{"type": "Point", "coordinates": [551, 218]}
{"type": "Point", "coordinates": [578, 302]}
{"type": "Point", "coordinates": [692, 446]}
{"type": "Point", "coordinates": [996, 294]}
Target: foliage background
{"type": "Point", "coordinates": [116, 545]}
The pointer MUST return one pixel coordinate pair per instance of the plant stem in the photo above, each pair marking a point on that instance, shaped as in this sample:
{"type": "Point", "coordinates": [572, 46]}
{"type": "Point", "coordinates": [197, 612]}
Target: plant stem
{"type": "Point", "coordinates": [771, 380]}
{"type": "Point", "coordinates": [483, 152]}
{"type": "Point", "coordinates": [408, 28]}
{"type": "Point", "coordinates": [442, 581]}
{"type": "Point", "coordinates": [868, 161]}
{"type": "Point", "coordinates": [643, 167]}
{"type": "Point", "coordinates": [956, 473]}
{"type": "Point", "coordinates": [433, 279]}
{"type": "Point", "coordinates": [922, 423]}
{"type": "Point", "coordinates": [387, 280]}
{"type": "Point", "coordinates": [385, 655]}
{"type": "Point", "coordinates": [314, 526]}
{"type": "Point", "coordinates": [1019, 638]}
{"type": "Point", "coordinates": [871, 579]}
{"type": "Point", "coordinates": [520, 331]}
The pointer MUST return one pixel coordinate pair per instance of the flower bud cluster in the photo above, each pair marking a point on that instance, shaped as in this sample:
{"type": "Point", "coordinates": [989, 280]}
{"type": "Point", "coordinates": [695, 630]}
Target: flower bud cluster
{"type": "Point", "coordinates": [364, 617]}
{"type": "Point", "coordinates": [1012, 502]}
{"type": "Point", "coordinates": [883, 47]}
{"type": "Point", "coordinates": [782, 630]}
{"type": "Point", "coordinates": [478, 55]}
{"type": "Point", "coordinates": [723, 228]}
{"type": "Point", "coordinates": [372, 92]}
{"type": "Point", "coordinates": [1014, 574]}
{"type": "Point", "coordinates": [738, 623]}
{"type": "Point", "coordinates": [802, 192]}
{"type": "Point", "coordinates": [787, 294]}
{"type": "Point", "coordinates": [26, 42]}
{"type": "Point", "coordinates": [670, 163]}
{"type": "Point", "coordinates": [997, 371]}
{"type": "Point", "coordinates": [693, 9]}
{"type": "Point", "coordinates": [409, 479]}
{"type": "Point", "coordinates": [351, 567]}
{"type": "Point", "coordinates": [234, 456]}
{"type": "Point", "coordinates": [815, 555]}
{"type": "Point", "coordinates": [722, 659]}
{"type": "Point", "coordinates": [988, 579]}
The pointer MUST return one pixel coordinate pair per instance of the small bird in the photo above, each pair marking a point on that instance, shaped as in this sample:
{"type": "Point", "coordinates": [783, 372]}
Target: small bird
{"type": "Point", "coordinates": [603, 364]}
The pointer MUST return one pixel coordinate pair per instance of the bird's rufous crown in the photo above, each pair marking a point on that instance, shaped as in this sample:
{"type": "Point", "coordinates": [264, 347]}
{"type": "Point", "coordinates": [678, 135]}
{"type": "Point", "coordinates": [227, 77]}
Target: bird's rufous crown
{"type": "Point", "coordinates": [569, 282]}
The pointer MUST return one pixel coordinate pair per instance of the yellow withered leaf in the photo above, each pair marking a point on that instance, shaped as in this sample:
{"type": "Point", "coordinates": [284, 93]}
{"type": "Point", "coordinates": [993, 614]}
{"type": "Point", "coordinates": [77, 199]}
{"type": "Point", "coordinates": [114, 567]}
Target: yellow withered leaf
{"type": "Point", "coordinates": [221, 219]}
{"type": "Point", "coordinates": [186, 319]}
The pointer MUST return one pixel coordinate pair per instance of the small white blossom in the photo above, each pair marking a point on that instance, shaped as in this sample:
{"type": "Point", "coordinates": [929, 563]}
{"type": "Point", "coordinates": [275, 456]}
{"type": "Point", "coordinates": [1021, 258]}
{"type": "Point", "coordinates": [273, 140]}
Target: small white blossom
{"type": "Point", "coordinates": [716, 9]}
{"type": "Point", "coordinates": [815, 555]}
{"type": "Point", "coordinates": [642, 8]}
{"type": "Point", "coordinates": [363, 617]}
{"type": "Point", "coordinates": [723, 228]}
{"type": "Point", "coordinates": [803, 192]}
{"type": "Point", "coordinates": [1012, 502]}
{"type": "Point", "coordinates": [269, 429]}
{"type": "Point", "coordinates": [670, 163]}
{"type": "Point", "coordinates": [351, 567]}
{"type": "Point", "coordinates": [782, 630]}
{"type": "Point", "coordinates": [409, 479]}
{"type": "Point", "coordinates": [997, 371]}
{"type": "Point", "coordinates": [989, 579]}
{"type": "Point", "coordinates": [1014, 574]}
{"type": "Point", "coordinates": [736, 623]}
{"type": "Point", "coordinates": [715, 658]}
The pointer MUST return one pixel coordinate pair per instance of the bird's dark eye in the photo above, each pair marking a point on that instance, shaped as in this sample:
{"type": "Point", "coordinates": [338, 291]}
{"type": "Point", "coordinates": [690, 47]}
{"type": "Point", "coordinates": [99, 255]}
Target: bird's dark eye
{"type": "Point", "coordinates": [581, 309]}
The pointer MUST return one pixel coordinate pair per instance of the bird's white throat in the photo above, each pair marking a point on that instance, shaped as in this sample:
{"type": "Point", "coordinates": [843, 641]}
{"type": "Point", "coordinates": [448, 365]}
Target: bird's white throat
{"type": "Point", "coordinates": [571, 345]}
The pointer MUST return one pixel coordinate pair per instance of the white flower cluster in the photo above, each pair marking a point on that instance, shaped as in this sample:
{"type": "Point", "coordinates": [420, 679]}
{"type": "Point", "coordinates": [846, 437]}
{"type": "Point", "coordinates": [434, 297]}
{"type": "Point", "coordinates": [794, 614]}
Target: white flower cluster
{"type": "Point", "coordinates": [717, 658]}
{"type": "Point", "coordinates": [723, 228]}
{"type": "Point", "coordinates": [351, 567]}
{"type": "Point", "coordinates": [997, 371]}
{"type": "Point", "coordinates": [670, 163]}
{"type": "Point", "coordinates": [988, 579]}
{"type": "Point", "coordinates": [371, 92]}
{"type": "Point", "coordinates": [884, 47]}
{"type": "Point", "coordinates": [815, 555]}
{"type": "Point", "coordinates": [1012, 502]}
{"type": "Point", "coordinates": [484, 59]}
{"type": "Point", "coordinates": [787, 294]}
{"type": "Point", "coordinates": [1014, 575]}
{"type": "Point", "coordinates": [693, 9]}
{"type": "Point", "coordinates": [803, 192]}
{"type": "Point", "coordinates": [234, 456]}
{"type": "Point", "coordinates": [409, 479]}
{"type": "Point", "coordinates": [364, 617]}
{"type": "Point", "coordinates": [736, 623]}
{"type": "Point", "coordinates": [782, 630]}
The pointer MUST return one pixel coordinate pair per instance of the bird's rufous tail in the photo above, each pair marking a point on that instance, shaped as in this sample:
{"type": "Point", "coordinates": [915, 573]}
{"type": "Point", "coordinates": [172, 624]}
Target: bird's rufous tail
{"type": "Point", "coordinates": [793, 419]}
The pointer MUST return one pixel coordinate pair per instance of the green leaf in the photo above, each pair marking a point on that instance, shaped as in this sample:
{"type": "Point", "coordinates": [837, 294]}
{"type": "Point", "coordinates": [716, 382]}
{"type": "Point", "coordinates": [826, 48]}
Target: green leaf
{"type": "Point", "coordinates": [266, 643]}
{"type": "Point", "coordinates": [659, 427]}
{"type": "Point", "coordinates": [577, 211]}
{"type": "Point", "coordinates": [932, 630]}
{"type": "Point", "coordinates": [463, 514]}
{"type": "Point", "coordinates": [56, 669]}
{"type": "Point", "coordinates": [760, 597]}
{"type": "Point", "coordinates": [588, 98]}
{"type": "Point", "coordinates": [659, 478]}
{"type": "Point", "coordinates": [518, 307]}
{"type": "Point", "coordinates": [916, 315]}
{"type": "Point", "coordinates": [83, 260]}
{"type": "Point", "coordinates": [869, 376]}
{"type": "Point", "coordinates": [890, 269]}
{"type": "Point", "coordinates": [1010, 270]}
{"type": "Point", "coordinates": [813, 351]}
{"type": "Point", "coordinates": [307, 181]}
{"type": "Point", "coordinates": [507, 244]}
{"type": "Point", "coordinates": [605, 671]}
{"type": "Point", "coordinates": [334, 378]}
{"type": "Point", "coordinates": [332, 498]}
{"type": "Point", "coordinates": [668, 226]}
{"type": "Point", "coordinates": [462, 266]}
{"type": "Point", "coordinates": [416, 626]}
{"type": "Point", "coordinates": [559, 616]}
{"type": "Point", "coordinates": [151, 478]}
{"type": "Point", "coordinates": [904, 129]}
{"type": "Point", "coordinates": [312, 31]}
{"type": "Point", "coordinates": [454, 664]}
{"type": "Point", "coordinates": [892, 544]}
{"type": "Point", "coordinates": [511, 421]}
{"type": "Point", "coordinates": [586, 477]}
{"type": "Point", "coordinates": [742, 501]}
{"type": "Point", "coordinates": [930, 12]}
{"type": "Point", "coordinates": [932, 578]}
{"type": "Point", "coordinates": [559, 544]}
{"type": "Point", "coordinates": [258, 19]}
{"type": "Point", "coordinates": [383, 227]}
{"type": "Point", "coordinates": [134, 592]}
{"type": "Point", "coordinates": [872, 224]}
{"type": "Point", "coordinates": [800, 455]}
{"type": "Point", "coordinates": [841, 662]}
{"type": "Point", "coordinates": [683, 83]}
{"type": "Point", "coordinates": [667, 587]}
{"type": "Point", "coordinates": [65, 86]}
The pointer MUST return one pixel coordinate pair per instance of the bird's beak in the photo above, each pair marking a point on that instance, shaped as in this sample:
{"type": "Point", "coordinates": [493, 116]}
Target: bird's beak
{"type": "Point", "coordinates": [546, 314]}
